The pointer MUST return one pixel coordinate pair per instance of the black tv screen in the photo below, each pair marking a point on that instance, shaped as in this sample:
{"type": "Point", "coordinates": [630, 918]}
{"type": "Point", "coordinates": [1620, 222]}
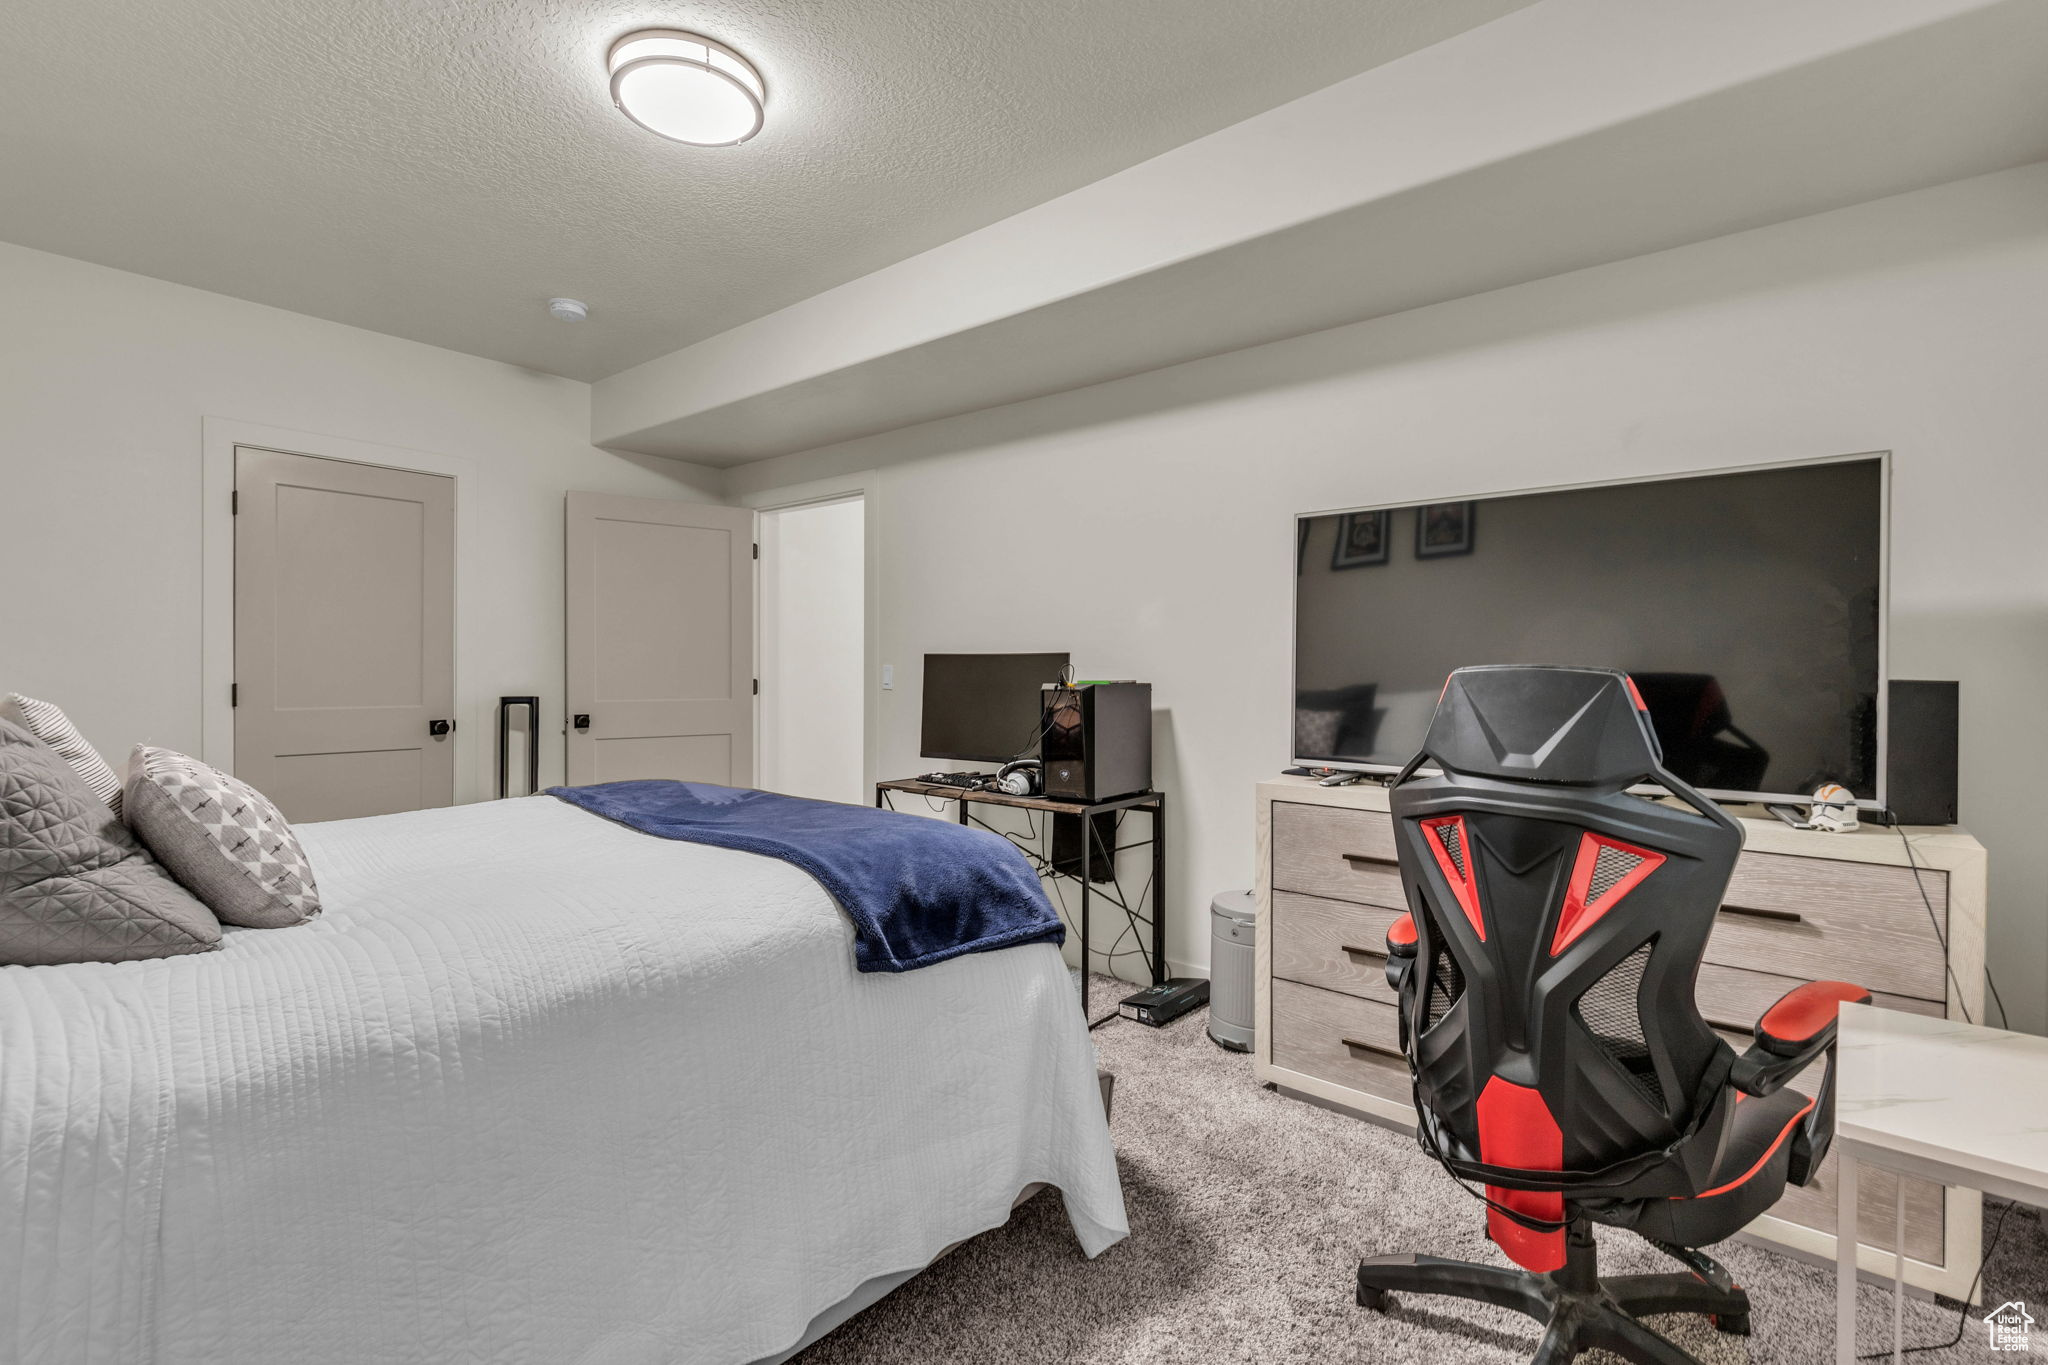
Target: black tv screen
{"type": "Point", "coordinates": [985, 708]}
{"type": "Point", "coordinates": [1748, 606]}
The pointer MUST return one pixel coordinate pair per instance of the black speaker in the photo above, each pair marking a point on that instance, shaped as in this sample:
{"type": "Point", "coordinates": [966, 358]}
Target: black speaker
{"type": "Point", "coordinates": [1096, 741]}
{"type": "Point", "coordinates": [1920, 752]}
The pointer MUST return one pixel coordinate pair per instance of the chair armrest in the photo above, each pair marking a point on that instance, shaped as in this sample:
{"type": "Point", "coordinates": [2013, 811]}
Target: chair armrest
{"type": "Point", "coordinates": [1401, 937]}
{"type": "Point", "coordinates": [1792, 1033]}
{"type": "Point", "coordinates": [1805, 1015]}
{"type": "Point", "coordinates": [1401, 949]}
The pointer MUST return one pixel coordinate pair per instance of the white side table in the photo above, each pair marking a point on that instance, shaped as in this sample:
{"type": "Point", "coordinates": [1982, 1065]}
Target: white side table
{"type": "Point", "coordinates": [1940, 1099]}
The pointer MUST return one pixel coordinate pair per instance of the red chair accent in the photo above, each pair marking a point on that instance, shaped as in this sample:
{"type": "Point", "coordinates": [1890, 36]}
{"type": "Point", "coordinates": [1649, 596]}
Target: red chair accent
{"type": "Point", "coordinates": [1582, 904]}
{"type": "Point", "coordinates": [1447, 842]}
{"type": "Point", "coordinates": [1516, 1129]}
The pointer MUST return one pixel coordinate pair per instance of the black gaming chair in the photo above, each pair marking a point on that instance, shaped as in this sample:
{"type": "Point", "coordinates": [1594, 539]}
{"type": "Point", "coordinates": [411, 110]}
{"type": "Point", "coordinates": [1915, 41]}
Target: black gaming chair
{"type": "Point", "coordinates": [1546, 974]}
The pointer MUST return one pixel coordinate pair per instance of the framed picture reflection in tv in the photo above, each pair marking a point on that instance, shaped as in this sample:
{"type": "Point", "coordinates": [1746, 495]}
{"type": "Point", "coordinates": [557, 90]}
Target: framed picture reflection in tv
{"type": "Point", "coordinates": [1362, 539]}
{"type": "Point", "coordinates": [1444, 528]}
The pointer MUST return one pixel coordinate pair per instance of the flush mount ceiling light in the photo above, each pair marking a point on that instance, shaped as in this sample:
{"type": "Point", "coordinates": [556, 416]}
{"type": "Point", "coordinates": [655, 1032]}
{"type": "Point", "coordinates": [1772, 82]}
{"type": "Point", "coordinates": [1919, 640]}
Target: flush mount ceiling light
{"type": "Point", "coordinates": [686, 88]}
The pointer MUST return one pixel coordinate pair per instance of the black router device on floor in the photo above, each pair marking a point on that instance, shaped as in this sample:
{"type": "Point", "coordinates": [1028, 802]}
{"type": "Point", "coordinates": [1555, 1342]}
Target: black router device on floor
{"type": "Point", "coordinates": [1157, 1005]}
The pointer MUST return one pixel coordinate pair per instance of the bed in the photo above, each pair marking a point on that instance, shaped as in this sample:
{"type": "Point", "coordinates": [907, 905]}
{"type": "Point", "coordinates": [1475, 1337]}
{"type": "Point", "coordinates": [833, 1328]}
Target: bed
{"type": "Point", "coordinates": [534, 1088]}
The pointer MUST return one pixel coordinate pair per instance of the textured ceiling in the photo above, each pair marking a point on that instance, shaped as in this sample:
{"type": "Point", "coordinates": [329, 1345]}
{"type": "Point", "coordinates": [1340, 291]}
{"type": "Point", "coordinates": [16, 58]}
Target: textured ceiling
{"type": "Point", "coordinates": [437, 169]}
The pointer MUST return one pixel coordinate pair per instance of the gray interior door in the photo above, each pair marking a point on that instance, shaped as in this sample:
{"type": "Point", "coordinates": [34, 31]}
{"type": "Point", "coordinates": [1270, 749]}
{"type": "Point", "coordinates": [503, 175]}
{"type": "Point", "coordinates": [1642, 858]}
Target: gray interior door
{"type": "Point", "coordinates": [661, 640]}
{"type": "Point", "coordinates": [344, 635]}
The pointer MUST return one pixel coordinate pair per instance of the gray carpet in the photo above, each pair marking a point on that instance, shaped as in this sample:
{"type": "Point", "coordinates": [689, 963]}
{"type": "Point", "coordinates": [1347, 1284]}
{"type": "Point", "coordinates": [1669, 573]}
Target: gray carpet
{"type": "Point", "coordinates": [1247, 1213]}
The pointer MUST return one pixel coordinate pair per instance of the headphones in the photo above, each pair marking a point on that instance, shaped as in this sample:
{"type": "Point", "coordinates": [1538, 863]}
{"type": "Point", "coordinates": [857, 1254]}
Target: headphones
{"type": "Point", "coordinates": [1020, 778]}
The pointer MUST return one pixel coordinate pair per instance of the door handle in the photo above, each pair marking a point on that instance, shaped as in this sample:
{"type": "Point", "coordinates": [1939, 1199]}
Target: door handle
{"type": "Point", "coordinates": [439, 728]}
{"type": "Point", "coordinates": [582, 721]}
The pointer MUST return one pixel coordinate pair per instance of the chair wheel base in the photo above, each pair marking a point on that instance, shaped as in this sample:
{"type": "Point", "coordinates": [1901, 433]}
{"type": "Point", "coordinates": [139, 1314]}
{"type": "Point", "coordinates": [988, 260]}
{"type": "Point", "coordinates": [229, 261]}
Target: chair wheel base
{"type": "Point", "coordinates": [1580, 1311]}
{"type": "Point", "coordinates": [1732, 1324]}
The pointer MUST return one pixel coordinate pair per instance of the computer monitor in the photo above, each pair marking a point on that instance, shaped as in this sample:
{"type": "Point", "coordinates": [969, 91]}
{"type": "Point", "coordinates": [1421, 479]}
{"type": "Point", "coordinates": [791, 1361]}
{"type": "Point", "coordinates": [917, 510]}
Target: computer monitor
{"type": "Point", "coordinates": [984, 708]}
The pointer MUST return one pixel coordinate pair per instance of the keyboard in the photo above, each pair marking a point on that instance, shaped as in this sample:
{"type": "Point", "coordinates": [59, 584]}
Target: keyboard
{"type": "Point", "coordinates": [970, 781]}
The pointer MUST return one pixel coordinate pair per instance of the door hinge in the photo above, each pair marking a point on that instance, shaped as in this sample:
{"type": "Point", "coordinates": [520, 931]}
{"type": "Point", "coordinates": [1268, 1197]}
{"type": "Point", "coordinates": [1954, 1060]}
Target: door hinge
{"type": "Point", "coordinates": [234, 694]}
{"type": "Point", "coordinates": [235, 503]}
{"type": "Point", "coordinates": [757, 549]}
{"type": "Point", "coordinates": [757, 687]}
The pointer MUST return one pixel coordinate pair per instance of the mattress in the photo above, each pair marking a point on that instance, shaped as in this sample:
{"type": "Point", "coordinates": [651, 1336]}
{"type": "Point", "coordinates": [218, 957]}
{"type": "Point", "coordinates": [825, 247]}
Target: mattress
{"type": "Point", "coordinates": [534, 1087]}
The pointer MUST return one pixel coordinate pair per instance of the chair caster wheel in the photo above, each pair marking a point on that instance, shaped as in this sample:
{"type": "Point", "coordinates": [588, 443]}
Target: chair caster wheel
{"type": "Point", "coordinates": [1732, 1324]}
{"type": "Point", "coordinates": [1379, 1300]}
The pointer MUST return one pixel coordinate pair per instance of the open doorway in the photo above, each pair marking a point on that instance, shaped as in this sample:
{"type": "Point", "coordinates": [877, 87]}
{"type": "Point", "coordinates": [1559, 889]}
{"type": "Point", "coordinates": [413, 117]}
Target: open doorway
{"type": "Point", "coordinates": [813, 650]}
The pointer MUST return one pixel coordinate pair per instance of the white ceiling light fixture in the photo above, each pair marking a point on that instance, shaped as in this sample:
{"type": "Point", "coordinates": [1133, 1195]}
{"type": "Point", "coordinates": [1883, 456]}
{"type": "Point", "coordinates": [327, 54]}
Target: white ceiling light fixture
{"type": "Point", "coordinates": [568, 310]}
{"type": "Point", "coordinates": [686, 88]}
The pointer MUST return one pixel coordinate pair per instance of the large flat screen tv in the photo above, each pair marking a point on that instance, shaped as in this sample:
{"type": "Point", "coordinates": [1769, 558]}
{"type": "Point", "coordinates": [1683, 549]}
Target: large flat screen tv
{"type": "Point", "coordinates": [1749, 606]}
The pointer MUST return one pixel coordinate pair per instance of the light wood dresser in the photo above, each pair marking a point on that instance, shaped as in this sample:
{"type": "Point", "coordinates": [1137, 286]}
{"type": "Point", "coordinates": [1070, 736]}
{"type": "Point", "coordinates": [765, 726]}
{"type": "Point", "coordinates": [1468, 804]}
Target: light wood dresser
{"type": "Point", "coordinates": [1801, 906]}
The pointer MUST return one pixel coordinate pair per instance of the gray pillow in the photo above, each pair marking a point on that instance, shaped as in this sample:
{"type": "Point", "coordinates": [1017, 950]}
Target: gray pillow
{"type": "Point", "coordinates": [222, 838]}
{"type": "Point", "coordinates": [75, 885]}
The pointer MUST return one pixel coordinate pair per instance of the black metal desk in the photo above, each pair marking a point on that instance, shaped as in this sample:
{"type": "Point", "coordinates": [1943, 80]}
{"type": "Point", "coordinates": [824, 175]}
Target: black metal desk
{"type": "Point", "coordinates": [1153, 896]}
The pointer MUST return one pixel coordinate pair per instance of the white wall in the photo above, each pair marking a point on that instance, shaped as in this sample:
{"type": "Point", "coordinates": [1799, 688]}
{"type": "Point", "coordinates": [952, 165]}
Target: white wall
{"type": "Point", "coordinates": [1152, 517]}
{"type": "Point", "coordinates": [104, 380]}
{"type": "Point", "coordinates": [812, 651]}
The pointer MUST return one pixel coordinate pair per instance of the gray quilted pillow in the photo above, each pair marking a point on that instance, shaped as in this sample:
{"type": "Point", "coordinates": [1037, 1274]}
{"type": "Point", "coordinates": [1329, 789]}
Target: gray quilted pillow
{"type": "Point", "coordinates": [48, 723]}
{"type": "Point", "coordinates": [75, 885]}
{"type": "Point", "coordinates": [222, 838]}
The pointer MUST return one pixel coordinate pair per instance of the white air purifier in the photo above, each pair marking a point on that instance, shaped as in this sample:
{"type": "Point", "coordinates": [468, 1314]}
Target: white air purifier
{"type": "Point", "coordinates": [1233, 964]}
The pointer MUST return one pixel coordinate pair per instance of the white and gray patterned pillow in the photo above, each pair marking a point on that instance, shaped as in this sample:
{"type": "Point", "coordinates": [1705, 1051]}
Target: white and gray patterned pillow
{"type": "Point", "coordinates": [48, 723]}
{"type": "Point", "coordinates": [222, 838]}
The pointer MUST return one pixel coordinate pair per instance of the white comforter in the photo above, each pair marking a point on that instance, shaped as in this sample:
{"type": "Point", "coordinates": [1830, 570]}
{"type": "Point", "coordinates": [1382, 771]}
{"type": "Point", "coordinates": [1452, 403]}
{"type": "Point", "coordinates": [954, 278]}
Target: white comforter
{"type": "Point", "coordinates": [534, 1088]}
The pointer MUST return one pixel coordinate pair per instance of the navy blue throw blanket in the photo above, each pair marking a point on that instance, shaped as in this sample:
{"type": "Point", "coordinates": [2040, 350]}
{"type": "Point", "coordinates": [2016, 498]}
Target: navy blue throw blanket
{"type": "Point", "coordinates": [918, 891]}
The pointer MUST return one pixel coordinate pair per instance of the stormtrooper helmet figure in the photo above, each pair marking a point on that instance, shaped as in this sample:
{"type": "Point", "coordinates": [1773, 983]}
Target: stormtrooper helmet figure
{"type": "Point", "coordinates": [1832, 809]}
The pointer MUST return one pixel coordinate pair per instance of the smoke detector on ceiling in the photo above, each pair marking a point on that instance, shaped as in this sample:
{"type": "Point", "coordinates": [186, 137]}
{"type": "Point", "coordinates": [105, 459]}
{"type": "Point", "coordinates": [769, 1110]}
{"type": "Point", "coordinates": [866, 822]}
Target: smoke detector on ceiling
{"type": "Point", "coordinates": [568, 310]}
{"type": "Point", "coordinates": [686, 88]}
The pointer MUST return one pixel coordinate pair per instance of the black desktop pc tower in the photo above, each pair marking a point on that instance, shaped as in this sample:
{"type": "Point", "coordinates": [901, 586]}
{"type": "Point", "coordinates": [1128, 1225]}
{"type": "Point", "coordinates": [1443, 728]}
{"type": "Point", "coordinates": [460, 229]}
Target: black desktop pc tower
{"type": "Point", "coordinates": [1096, 743]}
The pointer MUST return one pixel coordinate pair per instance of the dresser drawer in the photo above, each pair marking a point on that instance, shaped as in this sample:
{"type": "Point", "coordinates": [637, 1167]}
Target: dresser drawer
{"type": "Point", "coordinates": [1345, 855]}
{"type": "Point", "coordinates": [1734, 998]}
{"type": "Point", "coordinates": [1817, 918]}
{"type": "Point", "coordinates": [1341, 1039]}
{"type": "Point", "coordinates": [1333, 944]}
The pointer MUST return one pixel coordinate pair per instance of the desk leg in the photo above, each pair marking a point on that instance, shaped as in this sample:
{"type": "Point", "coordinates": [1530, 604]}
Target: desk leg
{"type": "Point", "coordinates": [1845, 1258]}
{"type": "Point", "coordinates": [1159, 893]}
{"type": "Point", "coordinates": [1087, 878]}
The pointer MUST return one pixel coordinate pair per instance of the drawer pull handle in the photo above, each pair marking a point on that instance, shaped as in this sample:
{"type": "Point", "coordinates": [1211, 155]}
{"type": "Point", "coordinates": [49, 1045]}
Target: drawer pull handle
{"type": "Point", "coordinates": [1724, 1024]}
{"type": "Point", "coordinates": [1788, 916]}
{"type": "Point", "coordinates": [1372, 858]}
{"type": "Point", "coordinates": [1361, 952]}
{"type": "Point", "coordinates": [1382, 1050]}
